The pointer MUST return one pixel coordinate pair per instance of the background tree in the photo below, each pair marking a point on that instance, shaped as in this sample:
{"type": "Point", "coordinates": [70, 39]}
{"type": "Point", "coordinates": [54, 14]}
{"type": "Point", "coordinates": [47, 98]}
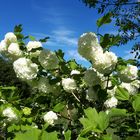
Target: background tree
{"type": "Point", "coordinates": [126, 14]}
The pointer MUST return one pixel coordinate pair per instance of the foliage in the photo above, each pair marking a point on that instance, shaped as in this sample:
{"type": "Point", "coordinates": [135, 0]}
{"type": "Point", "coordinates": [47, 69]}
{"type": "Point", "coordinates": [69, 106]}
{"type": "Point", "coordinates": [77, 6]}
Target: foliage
{"type": "Point", "coordinates": [81, 114]}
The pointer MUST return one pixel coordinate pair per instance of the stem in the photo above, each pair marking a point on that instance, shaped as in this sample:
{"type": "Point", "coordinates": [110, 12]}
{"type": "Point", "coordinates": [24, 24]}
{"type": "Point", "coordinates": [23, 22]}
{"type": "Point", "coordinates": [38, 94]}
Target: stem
{"type": "Point", "coordinates": [76, 97]}
{"type": "Point", "coordinates": [107, 83]}
{"type": "Point", "coordinates": [64, 117]}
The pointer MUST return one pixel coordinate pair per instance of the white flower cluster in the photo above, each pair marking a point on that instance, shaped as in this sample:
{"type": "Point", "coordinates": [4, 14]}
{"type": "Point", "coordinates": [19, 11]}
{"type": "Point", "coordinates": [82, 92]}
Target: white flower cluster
{"type": "Point", "coordinates": [111, 102]}
{"type": "Point", "coordinates": [88, 45]}
{"type": "Point", "coordinates": [9, 46]}
{"type": "Point", "coordinates": [104, 62]}
{"type": "Point", "coordinates": [33, 45]}
{"type": "Point", "coordinates": [89, 48]}
{"type": "Point", "coordinates": [132, 87]}
{"type": "Point", "coordinates": [10, 38]}
{"type": "Point", "coordinates": [25, 69]}
{"type": "Point", "coordinates": [92, 77]}
{"type": "Point", "coordinates": [48, 59]}
{"type": "Point", "coordinates": [14, 50]}
{"type": "Point", "coordinates": [69, 85]}
{"type": "Point", "coordinates": [50, 117]}
{"type": "Point", "coordinates": [129, 74]}
{"type": "Point", "coordinates": [44, 85]}
{"type": "Point", "coordinates": [9, 113]}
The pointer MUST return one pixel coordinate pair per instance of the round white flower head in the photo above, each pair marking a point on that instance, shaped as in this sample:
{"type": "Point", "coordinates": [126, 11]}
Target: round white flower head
{"type": "Point", "coordinates": [48, 59]}
{"type": "Point", "coordinates": [129, 74]}
{"type": "Point", "coordinates": [112, 102]}
{"type": "Point", "coordinates": [88, 45]}
{"type": "Point", "coordinates": [73, 72]}
{"type": "Point", "coordinates": [69, 84]}
{"type": "Point", "coordinates": [104, 62]}
{"type": "Point", "coordinates": [91, 94]}
{"type": "Point", "coordinates": [3, 46]}
{"type": "Point", "coordinates": [10, 38]}
{"type": "Point", "coordinates": [44, 85]}
{"type": "Point", "coordinates": [33, 45]}
{"type": "Point", "coordinates": [9, 113]}
{"type": "Point", "coordinates": [25, 69]}
{"type": "Point", "coordinates": [92, 77]}
{"type": "Point", "coordinates": [50, 117]}
{"type": "Point", "coordinates": [14, 50]}
{"type": "Point", "coordinates": [132, 88]}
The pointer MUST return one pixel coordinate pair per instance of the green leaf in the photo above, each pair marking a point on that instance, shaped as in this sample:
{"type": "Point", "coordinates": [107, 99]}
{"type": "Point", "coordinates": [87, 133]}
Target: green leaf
{"type": "Point", "coordinates": [59, 107]}
{"type": "Point", "coordinates": [114, 112]}
{"type": "Point", "coordinates": [18, 28]}
{"type": "Point", "coordinates": [73, 65]}
{"type": "Point", "coordinates": [104, 20]}
{"type": "Point", "coordinates": [105, 40]}
{"type": "Point", "coordinates": [49, 136]}
{"type": "Point", "coordinates": [94, 121]}
{"type": "Point", "coordinates": [92, 114]}
{"type": "Point", "coordinates": [67, 135]}
{"type": "Point", "coordinates": [109, 40]}
{"type": "Point", "coordinates": [103, 121]}
{"type": "Point", "coordinates": [32, 38]}
{"type": "Point", "coordinates": [44, 39]}
{"type": "Point", "coordinates": [122, 94]}
{"type": "Point", "coordinates": [32, 134]}
{"type": "Point", "coordinates": [136, 104]}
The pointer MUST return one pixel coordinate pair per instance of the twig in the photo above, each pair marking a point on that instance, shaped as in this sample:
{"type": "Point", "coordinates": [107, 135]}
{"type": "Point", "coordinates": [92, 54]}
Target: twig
{"type": "Point", "coordinates": [76, 97]}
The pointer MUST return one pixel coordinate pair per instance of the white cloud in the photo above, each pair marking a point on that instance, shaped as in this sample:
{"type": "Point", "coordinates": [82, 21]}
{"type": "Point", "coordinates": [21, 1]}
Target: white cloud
{"type": "Point", "coordinates": [75, 55]}
{"type": "Point", "coordinates": [60, 37]}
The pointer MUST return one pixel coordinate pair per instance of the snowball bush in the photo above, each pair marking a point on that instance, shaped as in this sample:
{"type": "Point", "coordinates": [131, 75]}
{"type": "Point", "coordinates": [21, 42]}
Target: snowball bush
{"type": "Point", "coordinates": [43, 85]}
{"type": "Point", "coordinates": [14, 50]}
{"type": "Point", "coordinates": [9, 113]}
{"type": "Point", "coordinates": [111, 102]}
{"type": "Point", "coordinates": [104, 62]}
{"type": "Point", "coordinates": [10, 38]}
{"type": "Point", "coordinates": [100, 97]}
{"type": "Point", "coordinates": [69, 85]}
{"type": "Point", "coordinates": [48, 59]}
{"type": "Point", "coordinates": [25, 69]}
{"type": "Point", "coordinates": [129, 74]}
{"type": "Point", "coordinates": [50, 117]}
{"type": "Point", "coordinates": [33, 45]}
{"type": "Point", "coordinates": [88, 45]}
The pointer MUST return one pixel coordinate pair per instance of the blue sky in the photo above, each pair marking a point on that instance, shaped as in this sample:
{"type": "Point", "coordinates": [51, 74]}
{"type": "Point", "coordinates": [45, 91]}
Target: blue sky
{"type": "Point", "coordinates": [62, 20]}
